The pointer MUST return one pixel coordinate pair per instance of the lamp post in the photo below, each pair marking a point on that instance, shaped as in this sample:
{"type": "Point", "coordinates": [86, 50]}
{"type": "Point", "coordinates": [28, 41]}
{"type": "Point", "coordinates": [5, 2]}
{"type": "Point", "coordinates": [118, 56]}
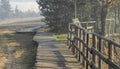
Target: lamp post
{"type": "Point", "coordinates": [76, 20]}
{"type": "Point", "coordinates": [75, 9]}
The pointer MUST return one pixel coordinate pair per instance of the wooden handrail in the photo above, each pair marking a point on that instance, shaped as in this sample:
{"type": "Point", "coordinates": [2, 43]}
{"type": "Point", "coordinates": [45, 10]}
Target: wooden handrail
{"type": "Point", "coordinates": [90, 52]}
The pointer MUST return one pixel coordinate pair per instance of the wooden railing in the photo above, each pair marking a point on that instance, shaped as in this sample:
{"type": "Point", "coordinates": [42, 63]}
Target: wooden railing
{"type": "Point", "coordinates": [92, 50]}
{"type": "Point", "coordinates": [90, 25]}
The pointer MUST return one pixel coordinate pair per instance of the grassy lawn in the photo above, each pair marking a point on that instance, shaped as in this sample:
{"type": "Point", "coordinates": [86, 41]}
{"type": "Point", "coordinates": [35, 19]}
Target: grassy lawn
{"type": "Point", "coordinates": [60, 37]}
{"type": "Point", "coordinates": [17, 51]}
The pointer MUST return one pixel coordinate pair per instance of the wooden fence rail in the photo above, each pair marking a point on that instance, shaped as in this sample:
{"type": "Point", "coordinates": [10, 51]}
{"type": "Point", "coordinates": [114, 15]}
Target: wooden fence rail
{"type": "Point", "coordinates": [92, 50]}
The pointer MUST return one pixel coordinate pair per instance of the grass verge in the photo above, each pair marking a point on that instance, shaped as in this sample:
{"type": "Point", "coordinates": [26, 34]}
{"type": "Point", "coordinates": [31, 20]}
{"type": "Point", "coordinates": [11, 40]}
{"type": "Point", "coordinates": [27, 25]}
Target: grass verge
{"type": "Point", "coordinates": [60, 37]}
{"type": "Point", "coordinates": [18, 50]}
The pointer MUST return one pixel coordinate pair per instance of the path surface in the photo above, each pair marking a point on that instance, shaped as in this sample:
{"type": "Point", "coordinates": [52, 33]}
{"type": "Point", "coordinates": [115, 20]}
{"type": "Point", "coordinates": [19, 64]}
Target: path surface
{"type": "Point", "coordinates": [52, 54]}
{"type": "Point", "coordinates": [17, 21]}
{"type": "Point", "coordinates": [21, 23]}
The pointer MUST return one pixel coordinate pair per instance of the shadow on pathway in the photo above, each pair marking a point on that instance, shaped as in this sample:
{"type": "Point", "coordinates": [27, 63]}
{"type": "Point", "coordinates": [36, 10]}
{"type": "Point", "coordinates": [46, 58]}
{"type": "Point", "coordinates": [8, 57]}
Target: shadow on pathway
{"type": "Point", "coordinates": [52, 54]}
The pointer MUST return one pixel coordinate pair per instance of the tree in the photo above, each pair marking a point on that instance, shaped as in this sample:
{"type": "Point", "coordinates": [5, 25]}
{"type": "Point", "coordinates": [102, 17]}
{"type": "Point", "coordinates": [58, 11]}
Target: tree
{"type": "Point", "coordinates": [100, 11]}
{"type": "Point", "coordinates": [0, 11]}
{"type": "Point", "coordinates": [57, 14]}
{"type": "Point", "coordinates": [84, 10]}
{"type": "Point", "coordinates": [17, 11]}
{"type": "Point", "coordinates": [116, 11]}
{"type": "Point", "coordinates": [105, 6]}
{"type": "Point", "coordinates": [5, 9]}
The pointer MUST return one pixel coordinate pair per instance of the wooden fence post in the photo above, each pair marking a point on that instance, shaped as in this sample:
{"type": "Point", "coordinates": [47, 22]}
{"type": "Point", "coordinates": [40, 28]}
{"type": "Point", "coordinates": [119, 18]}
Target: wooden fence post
{"type": "Point", "coordinates": [87, 42]}
{"type": "Point", "coordinates": [80, 44]}
{"type": "Point", "coordinates": [94, 43]}
{"type": "Point", "coordinates": [68, 35]}
{"type": "Point", "coordinates": [109, 53]}
{"type": "Point", "coordinates": [70, 39]}
{"type": "Point", "coordinates": [76, 40]}
{"type": "Point", "coordinates": [99, 49]}
{"type": "Point", "coordinates": [83, 48]}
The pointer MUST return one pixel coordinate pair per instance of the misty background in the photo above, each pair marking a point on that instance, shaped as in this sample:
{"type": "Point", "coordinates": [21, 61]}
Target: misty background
{"type": "Point", "coordinates": [18, 9]}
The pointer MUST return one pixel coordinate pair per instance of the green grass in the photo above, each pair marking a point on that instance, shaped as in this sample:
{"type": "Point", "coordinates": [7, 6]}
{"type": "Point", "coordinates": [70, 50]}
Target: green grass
{"type": "Point", "coordinates": [60, 37]}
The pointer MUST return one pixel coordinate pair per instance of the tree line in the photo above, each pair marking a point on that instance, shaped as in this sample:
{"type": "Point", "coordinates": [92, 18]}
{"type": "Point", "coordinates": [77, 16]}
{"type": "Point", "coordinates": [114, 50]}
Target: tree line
{"type": "Point", "coordinates": [7, 12]}
{"type": "Point", "coordinates": [59, 13]}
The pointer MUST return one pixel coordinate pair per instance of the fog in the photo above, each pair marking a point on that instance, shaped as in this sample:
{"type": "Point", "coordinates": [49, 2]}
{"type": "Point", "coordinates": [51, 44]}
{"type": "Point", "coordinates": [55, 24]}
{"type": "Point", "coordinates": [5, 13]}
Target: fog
{"type": "Point", "coordinates": [18, 9]}
{"type": "Point", "coordinates": [25, 6]}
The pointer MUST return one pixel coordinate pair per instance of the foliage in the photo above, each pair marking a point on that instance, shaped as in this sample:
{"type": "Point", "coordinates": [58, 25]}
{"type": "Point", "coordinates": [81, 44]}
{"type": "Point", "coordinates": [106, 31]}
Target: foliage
{"type": "Point", "coordinates": [5, 10]}
{"type": "Point", "coordinates": [101, 9]}
{"type": "Point", "coordinates": [57, 14]}
{"type": "Point", "coordinates": [19, 14]}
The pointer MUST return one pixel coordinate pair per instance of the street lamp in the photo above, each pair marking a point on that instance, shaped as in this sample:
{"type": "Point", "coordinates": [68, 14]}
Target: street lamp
{"type": "Point", "coordinates": [76, 20]}
{"type": "Point", "coordinates": [75, 9]}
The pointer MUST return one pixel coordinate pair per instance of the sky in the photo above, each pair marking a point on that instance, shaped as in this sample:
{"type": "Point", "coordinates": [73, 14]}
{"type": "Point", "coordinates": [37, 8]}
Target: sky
{"type": "Point", "coordinates": [24, 5]}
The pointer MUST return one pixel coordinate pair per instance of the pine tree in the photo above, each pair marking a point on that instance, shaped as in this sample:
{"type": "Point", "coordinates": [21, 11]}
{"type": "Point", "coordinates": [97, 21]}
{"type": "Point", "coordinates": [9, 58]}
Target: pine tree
{"type": "Point", "coordinates": [5, 9]}
{"type": "Point", "coordinates": [17, 12]}
{"type": "Point", "coordinates": [57, 14]}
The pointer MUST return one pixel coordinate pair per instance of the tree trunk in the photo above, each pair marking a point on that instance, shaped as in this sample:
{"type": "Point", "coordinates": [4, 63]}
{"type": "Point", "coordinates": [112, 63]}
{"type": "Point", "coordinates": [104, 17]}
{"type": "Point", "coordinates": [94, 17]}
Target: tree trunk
{"type": "Point", "coordinates": [96, 15]}
{"type": "Point", "coordinates": [104, 11]}
{"type": "Point", "coordinates": [118, 13]}
{"type": "Point", "coordinates": [115, 19]}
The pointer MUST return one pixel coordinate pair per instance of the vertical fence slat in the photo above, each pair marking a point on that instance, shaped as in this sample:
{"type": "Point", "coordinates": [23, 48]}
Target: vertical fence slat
{"type": "Point", "coordinates": [78, 39]}
{"type": "Point", "coordinates": [109, 53]}
{"type": "Point", "coordinates": [99, 60]}
{"type": "Point", "coordinates": [93, 43]}
{"type": "Point", "coordinates": [87, 41]}
{"type": "Point", "coordinates": [80, 44]}
{"type": "Point", "coordinates": [68, 36]}
{"type": "Point", "coordinates": [73, 39]}
{"type": "Point", "coordinates": [70, 39]}
{"type": "Point", "coordinates": [83, 61]}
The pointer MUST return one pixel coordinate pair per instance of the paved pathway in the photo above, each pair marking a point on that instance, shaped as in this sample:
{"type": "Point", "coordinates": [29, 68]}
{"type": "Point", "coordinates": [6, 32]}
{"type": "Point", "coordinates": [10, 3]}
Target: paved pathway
{"type": "Point", "coordinates": [52, 54]}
